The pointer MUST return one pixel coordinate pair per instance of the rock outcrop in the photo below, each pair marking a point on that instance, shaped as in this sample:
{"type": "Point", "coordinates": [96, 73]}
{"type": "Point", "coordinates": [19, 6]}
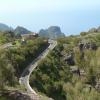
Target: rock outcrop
{"type": "Point", "coordinates": [70, 59]}
{"type": "Point", "coordinates": [52, 32]}
{"type": "Point", "coordinates": [17, 95]}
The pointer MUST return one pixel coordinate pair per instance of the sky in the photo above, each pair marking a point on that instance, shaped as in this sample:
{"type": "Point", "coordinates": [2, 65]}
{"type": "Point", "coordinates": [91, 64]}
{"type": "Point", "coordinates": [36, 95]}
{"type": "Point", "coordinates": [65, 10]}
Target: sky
{"type": "Point", "coordinates": [73, 16]}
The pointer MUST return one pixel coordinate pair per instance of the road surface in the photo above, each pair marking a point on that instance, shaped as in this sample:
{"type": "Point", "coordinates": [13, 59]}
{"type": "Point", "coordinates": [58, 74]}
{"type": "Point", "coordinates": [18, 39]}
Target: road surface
{"type": "Point", "coordinates": [7, 45]}
{"type": "Point", "coordinates": [24, 79]}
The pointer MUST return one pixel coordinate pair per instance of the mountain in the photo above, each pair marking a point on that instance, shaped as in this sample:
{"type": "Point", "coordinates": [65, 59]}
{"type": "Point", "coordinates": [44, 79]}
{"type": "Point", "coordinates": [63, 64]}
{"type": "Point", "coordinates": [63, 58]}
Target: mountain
{"type": "Point", "coordinates": [52, 32]}
{"type": "Point", "coordinates": [18, 30]}
{"type": "Point", "coordinates": [94, 30]}
{"type": "Point", "coordinates": [98, 29]}
{"type": "Point", "coordinates": [21, 30]}
{"type": "Point", "coordinates": [4, 27]}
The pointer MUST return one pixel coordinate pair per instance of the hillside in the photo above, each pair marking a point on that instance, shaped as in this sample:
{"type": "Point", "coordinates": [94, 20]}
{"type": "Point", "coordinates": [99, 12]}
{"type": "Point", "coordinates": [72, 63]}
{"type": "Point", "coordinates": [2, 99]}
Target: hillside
{"type": "Point", "coordinates": [52, 32]}
{"type": "Point", "coordinates": [14, 60]}
{"type": "Point", "coordinates": [69, 72]}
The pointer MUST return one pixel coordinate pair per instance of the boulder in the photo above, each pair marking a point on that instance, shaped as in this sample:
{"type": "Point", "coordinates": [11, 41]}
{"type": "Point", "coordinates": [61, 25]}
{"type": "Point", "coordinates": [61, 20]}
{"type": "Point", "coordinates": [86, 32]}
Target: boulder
{"type": "Point", "coordinates": [70, 59]}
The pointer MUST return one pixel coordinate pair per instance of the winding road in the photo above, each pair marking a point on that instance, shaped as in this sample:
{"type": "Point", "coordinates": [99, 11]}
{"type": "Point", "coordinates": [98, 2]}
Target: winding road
{"type": "Point", "coordinates": [7, 45]}
{"type": "Point", "coordinates": [24, 79]}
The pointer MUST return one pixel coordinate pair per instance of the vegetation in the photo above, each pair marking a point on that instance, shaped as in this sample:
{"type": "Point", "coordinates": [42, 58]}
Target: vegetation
{"type": "Point", "coordinates": [6, 37]}
{"type": "Point", "coordinates": [51, 74]}
{"type": "Point", "coordinates": [14, 60]}
{"type": "Point", "coordinates": [54, 76]}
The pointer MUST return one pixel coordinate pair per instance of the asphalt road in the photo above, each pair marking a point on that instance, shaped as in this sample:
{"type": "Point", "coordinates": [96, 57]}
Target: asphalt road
{"type": "Point", "coordinates": [24, 79]}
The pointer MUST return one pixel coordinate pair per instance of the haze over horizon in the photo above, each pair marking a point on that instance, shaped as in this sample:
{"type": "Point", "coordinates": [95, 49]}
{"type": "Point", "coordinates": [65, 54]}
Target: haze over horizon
{"type": "Point", "coordinates": [73, 16]}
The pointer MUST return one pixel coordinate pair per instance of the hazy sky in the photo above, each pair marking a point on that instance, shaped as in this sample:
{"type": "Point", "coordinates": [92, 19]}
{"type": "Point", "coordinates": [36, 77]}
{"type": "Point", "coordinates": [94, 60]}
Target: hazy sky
{"type": "Point", "coordinates": [73, 16]}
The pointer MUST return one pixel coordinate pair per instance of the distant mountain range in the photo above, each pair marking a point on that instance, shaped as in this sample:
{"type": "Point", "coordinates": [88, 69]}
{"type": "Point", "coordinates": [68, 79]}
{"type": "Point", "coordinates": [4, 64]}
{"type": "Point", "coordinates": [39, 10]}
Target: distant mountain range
{"type": "Point", "coordinates": [17, 30]}
{"type": "Point", "coordinates": [51, 32]}
{"type": "Point", "coordinates": [21, 30]}
{"type": "Point", "coordinates": [4, 27]}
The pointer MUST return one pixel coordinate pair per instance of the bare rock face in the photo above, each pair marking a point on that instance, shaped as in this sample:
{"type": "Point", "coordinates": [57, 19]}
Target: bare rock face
{"type": "Point", "coordinates": [17, 95]}
{"type": "Point", "coordinates": [81, 46]}
{"type": "Point", "coordinates": [94, 46]}
{"type": "Point", "coordinates": [91, 46]}
{"type": "Point", "coordinates": [23, 96]}
{"type": "Point", "coordinates": [98, 86]}
{"type": "Point", "coordinates": [70, 59]}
